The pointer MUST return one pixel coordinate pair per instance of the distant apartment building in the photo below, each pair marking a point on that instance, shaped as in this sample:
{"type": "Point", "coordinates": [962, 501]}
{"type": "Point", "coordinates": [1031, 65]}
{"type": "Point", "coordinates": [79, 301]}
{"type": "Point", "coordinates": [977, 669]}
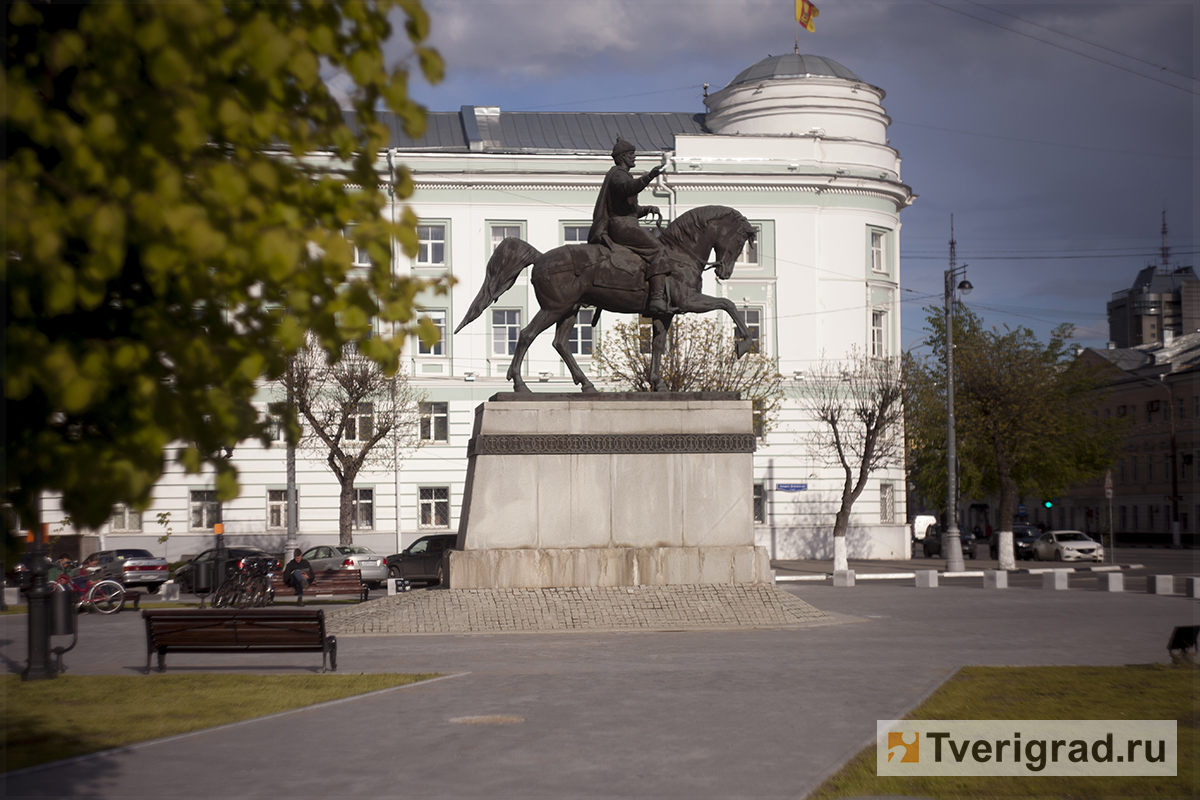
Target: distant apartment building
{"type": "Point", "coordinates": [1155, 388]}
{"type": "Point", "coordinates": [1161, 304]}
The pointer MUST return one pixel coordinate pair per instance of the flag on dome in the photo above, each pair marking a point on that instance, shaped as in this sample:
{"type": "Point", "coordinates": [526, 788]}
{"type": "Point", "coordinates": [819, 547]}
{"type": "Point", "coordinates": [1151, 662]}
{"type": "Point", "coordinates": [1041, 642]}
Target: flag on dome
{"type": "Point", "coordinates": [806, 12]}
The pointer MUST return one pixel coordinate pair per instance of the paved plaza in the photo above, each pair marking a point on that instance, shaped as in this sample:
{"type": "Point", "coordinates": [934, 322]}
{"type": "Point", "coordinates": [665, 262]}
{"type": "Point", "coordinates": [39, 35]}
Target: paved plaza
{"type": "Point", "coordinates": [668, 712]}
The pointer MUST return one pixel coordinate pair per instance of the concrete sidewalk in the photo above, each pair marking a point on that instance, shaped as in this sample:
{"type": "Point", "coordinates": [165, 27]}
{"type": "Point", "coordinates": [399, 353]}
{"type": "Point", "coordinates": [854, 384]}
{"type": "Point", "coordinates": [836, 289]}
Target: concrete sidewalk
{"type": "Point", "coordinates": [729, 713]}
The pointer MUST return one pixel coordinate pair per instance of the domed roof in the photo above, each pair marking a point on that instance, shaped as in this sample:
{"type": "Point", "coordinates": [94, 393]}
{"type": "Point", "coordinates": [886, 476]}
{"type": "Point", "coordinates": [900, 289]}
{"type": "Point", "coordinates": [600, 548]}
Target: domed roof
{"type": "Point", "coordinates": [793, 66]}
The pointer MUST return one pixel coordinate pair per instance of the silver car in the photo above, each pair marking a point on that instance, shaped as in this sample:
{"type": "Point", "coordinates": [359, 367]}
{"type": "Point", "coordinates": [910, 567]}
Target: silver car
{"type": "Point", "coordinates": [349, 556]}
{"type": "Point", "coordinates": [1067, 546]}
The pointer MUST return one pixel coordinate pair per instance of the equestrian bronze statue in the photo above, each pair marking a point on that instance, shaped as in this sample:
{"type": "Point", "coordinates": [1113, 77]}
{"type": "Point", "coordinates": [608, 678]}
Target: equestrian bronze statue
{"type": "Point", "coordinates": [570, 277]}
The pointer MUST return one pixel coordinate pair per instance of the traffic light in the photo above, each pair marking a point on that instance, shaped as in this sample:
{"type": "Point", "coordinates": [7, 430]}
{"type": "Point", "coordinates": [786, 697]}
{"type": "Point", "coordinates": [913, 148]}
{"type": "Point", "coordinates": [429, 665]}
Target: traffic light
{"type": "Point", "coordinates": [1049, 504]}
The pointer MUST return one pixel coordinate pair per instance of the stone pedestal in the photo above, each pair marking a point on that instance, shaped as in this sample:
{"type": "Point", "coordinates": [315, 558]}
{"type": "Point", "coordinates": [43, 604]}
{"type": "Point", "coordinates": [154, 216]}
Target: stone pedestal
{"type": "Point", "coordinates": [609, 490]}
{"type": "Point", "coordinates": [1110, 582]}
{"type": "Point", "coordinates": [927, 579]}
{"type": "Point", "coordinates": [995, 579]}
{"type": "Point", "coordinates": [843, 577]}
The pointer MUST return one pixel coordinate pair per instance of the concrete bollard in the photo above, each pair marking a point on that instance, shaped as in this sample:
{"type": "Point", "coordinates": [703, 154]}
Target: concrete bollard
{"type": "Point", "coordinates": [843, 577]}
{"type": "Point", "coordinates": [995, 579]}
{"type": "Point", "coordinates": [1054, 580]}
{"type": "Point", "coordinates": [169, 593]}
{"type": "Point", "coordinates": [12, 596]}
{"type": "Point", "coordinates": [927, 579]}
{"type": "Point", "coordinates": [1191, 587]}
{"type": "Point", "coordinates": [1110, 582]}
{"type": "Point", "coordinates": [1160, 584]}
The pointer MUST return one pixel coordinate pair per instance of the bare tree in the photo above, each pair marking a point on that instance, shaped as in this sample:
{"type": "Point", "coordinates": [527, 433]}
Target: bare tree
{"type": "Point", "coordinates": [699, 357]}
{"type": "Point", "coordinates": [354, 415]}
{"type": "Point", "coordinates": [858, 406]}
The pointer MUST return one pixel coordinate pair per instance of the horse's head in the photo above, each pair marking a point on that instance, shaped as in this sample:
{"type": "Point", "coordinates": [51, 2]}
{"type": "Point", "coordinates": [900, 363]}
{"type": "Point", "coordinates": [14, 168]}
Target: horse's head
{"type": "Point", "coordinates": [730, 244]}
{"type": "Point", "coordinates": [711, 228]}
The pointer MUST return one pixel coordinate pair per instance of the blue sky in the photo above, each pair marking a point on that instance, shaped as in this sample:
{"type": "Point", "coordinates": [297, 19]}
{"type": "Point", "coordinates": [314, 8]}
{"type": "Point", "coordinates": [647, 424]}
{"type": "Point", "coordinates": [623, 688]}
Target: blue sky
{"type": "Point", "coordinates": [1055, 132]}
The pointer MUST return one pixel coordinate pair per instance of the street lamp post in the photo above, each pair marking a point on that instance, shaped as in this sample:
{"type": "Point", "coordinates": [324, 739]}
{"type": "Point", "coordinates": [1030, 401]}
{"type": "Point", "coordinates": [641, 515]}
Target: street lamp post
{"type": "Point", "coordinates": [954, 556]}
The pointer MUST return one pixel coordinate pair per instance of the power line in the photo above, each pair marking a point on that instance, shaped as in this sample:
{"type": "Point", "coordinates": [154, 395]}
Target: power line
{"type": "Point", "coordinates": [1063, 47]}
{"type": "Point", "coordinates": [1078, 39]}
{"type": "Point", "coordinates": [1042, 142]}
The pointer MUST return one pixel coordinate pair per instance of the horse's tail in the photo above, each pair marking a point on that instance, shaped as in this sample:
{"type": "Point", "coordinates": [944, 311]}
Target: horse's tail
{"type": "Point", "coordinates": [509, 260]}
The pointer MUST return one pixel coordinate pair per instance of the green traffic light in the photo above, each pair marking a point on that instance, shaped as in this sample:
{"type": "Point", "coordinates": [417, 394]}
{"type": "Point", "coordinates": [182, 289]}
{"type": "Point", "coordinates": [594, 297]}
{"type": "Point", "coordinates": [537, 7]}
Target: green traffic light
{"type": "Point", "coordinates": [1048, 504]}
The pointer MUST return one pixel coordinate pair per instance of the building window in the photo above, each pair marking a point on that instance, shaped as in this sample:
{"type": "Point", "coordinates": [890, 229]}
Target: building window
{"type": "Point", "coordinates": [753, 319]}
{"type": "Point", "coordinates": [362, 510]}
{"type": "Point", "coordinates": [502, 232]}
{"type": "Point", "coordinates": [359, 256]}
{"type": "Point", "coordinates": [205, 510]}
{"type": "Point", "coordinates": [360, 425]}
{"type": "Point", "coordinates": [575, 234]}
{"type": "Point", "coordinates": [877, 262]}
{"type": "Point", "coordinates": [434, 508]}
{"type": "Point", "coordinates": [1123, 518]}
{"type": "Point", "coordinates": [506, 328]}
{"type": "Point", "coordinates": [757, 419]}
{"type": "Point", "coordinates": [125, 518]}
{"type": "Point", "coordinates": [887, 503]}
{"type": "Point", "coordinates": [1134, 518]}
{"type": "Point", "coordinates": [879, 334]}
{"type": "Point", "coordinates": [1183, 521]}
{"type": "Point", "coordinates": [435, 422]}
{"type": "Point", "coordinates": [760, 503]}
{"type": "Point", "coordinates": [277, 508]}
{"type": "Point", "coordinates": [583, 334]}
{"type": "Point", "coordinates": [431, 245]}
{"type": "Point", "coordinates": [1133, 468]}
{"type": "Point", "coordinates": [438, 318]}
{"type": "Point", "coordinates": [1120, 470]}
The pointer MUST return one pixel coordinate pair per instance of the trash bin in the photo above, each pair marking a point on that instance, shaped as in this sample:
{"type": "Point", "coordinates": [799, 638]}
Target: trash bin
{"type": "Point", "coordinates": [63, 616]}
{"type": "Point", "coordinates": [203, 581]}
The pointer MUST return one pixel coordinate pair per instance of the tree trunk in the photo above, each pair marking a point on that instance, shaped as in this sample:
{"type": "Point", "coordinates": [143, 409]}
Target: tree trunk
{"type": "Point", "coordinates": [346, 511]}
{"type": "Point", "coordinates": [1005, 513]}
{"type": "Point", "coordinates": [841, 522]}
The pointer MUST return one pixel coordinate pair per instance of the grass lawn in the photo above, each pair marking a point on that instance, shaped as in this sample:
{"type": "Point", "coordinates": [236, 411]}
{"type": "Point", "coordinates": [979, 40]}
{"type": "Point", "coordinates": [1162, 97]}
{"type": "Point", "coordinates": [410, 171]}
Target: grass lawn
{"type": "Point", "coordinates": [1135, 692]}
{"type": "Point", "coordinates": [77, 714]}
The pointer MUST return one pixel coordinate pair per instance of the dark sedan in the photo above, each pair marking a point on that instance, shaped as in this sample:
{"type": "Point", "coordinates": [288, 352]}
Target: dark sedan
{"type": "Point", "coordinates": [185, 575]}
{"type": "Point", "coordinates": [422, 560]}
{"type": "Point", "coordinates": [1023, 538]}
{"type": "Point", "coordinates": [933, 542]}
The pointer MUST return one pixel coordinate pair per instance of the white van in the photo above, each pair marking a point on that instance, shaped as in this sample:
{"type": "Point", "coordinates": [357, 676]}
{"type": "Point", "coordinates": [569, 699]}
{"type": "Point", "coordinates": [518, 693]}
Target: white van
{"type": "Point", "coordinates": [921, 524]}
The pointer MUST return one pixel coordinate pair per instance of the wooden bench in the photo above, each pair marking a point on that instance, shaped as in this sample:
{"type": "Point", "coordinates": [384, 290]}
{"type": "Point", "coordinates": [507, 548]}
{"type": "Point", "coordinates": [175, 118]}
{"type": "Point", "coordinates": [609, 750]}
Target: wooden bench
{"type": "Point", "coordinates": [327, 582]}
{"type": "Point", "coordinates": [227, 630]}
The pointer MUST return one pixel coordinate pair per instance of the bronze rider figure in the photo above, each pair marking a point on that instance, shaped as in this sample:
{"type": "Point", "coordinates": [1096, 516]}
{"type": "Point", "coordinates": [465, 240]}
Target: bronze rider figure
{"type": "Point", "coordinates": [615, 221]}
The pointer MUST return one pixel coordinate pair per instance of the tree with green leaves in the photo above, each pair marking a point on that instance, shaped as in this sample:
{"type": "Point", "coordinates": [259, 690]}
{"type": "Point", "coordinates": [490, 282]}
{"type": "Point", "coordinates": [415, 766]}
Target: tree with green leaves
{"type": "Point", "coordinates": [699, 357]}
{"type": "Point", "coordinates": [353, 416]}
{"type": "Point", "coordinates": [1023, 413]}
{"type": "Point", "coordinates": [182, 194]}
{"type": "Point", "coordinates": [858, 410]}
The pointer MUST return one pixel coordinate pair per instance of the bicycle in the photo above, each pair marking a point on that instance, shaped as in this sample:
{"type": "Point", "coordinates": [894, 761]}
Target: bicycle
{"type": "Point", "coordinates": [106, 596]}
{"type": "Point", "coordinates": [248, 587]}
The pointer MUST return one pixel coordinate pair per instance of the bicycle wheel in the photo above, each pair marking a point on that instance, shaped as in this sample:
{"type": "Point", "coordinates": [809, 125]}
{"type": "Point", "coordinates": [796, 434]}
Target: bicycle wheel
{"type": "Point", "coordinates": [107, 597]}
{"type": "Point", "coordinates": [225, 595]}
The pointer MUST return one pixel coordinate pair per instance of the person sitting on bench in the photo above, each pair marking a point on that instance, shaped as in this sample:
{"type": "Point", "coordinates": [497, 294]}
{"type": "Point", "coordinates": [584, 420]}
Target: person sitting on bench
{"type": "Point", "coordinates": [298, 574]}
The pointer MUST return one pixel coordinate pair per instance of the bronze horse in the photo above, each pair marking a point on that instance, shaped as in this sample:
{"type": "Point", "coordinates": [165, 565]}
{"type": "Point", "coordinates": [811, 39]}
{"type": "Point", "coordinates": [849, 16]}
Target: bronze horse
{"type": "Point", "coordinates": [570, 277]}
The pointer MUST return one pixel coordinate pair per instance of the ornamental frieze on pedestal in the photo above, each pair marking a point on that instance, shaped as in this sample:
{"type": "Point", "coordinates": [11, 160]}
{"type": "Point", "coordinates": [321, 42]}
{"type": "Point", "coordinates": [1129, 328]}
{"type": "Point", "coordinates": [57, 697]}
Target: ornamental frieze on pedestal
{"type": "Point", "coordinates": [610, 444]}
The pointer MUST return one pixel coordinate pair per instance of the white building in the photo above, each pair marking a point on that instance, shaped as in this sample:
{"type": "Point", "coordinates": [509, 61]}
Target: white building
{"type": "Point", "coordinates": [796, 143]}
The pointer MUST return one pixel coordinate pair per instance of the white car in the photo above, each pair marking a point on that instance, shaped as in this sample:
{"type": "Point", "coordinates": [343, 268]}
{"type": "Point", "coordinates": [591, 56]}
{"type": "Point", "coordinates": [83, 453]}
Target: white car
{"type": "Point", "coordinates": [353, 556]}
{"type": "Point", "coordinates": [1067, 546]}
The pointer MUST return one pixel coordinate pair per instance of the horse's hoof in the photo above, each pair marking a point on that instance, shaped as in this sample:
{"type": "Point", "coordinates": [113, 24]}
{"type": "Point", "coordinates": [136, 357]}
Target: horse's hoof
{"type": "Point", "coordinates": [588, 388]}
{"type": "Point", "coordinates": [743, 347]}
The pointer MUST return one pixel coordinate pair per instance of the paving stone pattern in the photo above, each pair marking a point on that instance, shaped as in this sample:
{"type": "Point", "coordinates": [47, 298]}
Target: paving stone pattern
{"type": "Point", "coordinates": [691, 607]}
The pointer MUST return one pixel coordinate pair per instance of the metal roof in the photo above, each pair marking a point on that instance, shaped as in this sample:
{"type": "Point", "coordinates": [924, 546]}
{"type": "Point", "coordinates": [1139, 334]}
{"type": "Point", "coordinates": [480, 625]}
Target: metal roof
{"type": "Point", "coordinates": [488, 129]}
{"type": "Point", "coordinates": [793, 65]}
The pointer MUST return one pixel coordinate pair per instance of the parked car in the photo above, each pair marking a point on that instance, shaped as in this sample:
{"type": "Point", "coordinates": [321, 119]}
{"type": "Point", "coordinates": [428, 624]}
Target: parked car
{"type": "Point", "coordinates": [185, 575]}
{"type": "Point", "coordinates": [129, 566]}
{"type": "Point", "coordinates": [933, 542]}
{"type": "Point", "coordinates": [349, 556]}
{"type": "Point", "coordinates": [1023, 538]}
{"type": "Point", "coordinates": [1067, 546]}
{"type": "Point", "coordinates": [422, 560]}
{"type": "Point", "coordinates": [921, 524]}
